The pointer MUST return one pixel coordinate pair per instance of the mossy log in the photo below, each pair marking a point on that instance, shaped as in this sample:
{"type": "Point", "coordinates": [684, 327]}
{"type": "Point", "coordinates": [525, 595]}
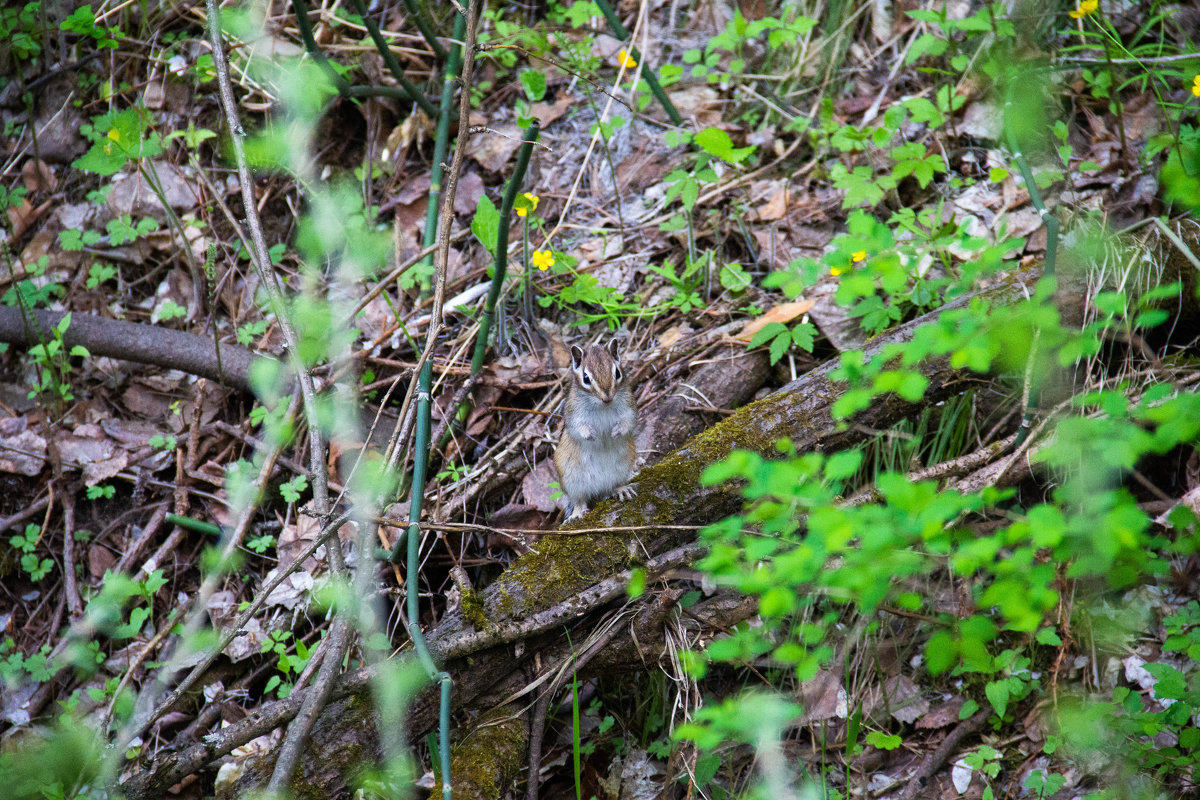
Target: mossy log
{"type": "Point", "coordinates": [565, 568]}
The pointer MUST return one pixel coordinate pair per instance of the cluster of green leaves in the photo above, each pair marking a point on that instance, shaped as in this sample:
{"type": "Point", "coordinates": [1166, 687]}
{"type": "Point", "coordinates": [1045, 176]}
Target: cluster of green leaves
{"type": "Point", "coordinates": [20, 28]}
{"type": "Point", "coordinates": [53, 360]}
{"type": "Point", "coordinates": [1125, 61]}
{"type": "Point", "coordinates": [806, 556]}
{"type": "Point", "coordinates": [289, 664]}
{"type": "Point", "coordinates": [35, 290]}
{"type": "Point", "coordinates": [725, 56]}
{"type": "Point", "coordinates": [82, 22]}
{"type": "Point", "coordinates": [26, 544]}
{"type": "Point", "coordinates": [118, 137]}
{"type": "Point", "coordinates": [121, 231]}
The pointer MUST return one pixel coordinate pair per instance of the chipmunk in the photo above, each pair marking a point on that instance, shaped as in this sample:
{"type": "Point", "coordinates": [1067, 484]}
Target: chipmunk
{"type": "Point", "coordinates": [596, 453]}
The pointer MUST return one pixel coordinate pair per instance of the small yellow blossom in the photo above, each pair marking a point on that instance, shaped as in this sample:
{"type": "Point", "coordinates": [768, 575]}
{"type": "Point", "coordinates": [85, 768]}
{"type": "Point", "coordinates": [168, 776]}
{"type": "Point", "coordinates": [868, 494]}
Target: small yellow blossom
{"type": "Point", "coordinates": [1084, 8]}
{"type": "Point", "coordinates": [861, 255]}
{"type": "Point", "coordinates": [835, 271]}
{"type": "Point", "coordinates": [543, 259]}
{"type": "Point", "coordinates": [625, 60]}
{"type": "Point", "coordinates": [1196, 86]}
{"type": "Point", "coordinates": [532, 200]}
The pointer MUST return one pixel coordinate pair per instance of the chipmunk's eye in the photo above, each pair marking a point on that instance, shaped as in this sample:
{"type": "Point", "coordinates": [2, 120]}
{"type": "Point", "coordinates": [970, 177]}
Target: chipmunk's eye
{"type": "Point", "coordinates": [587, 379]}
{"type": "Point", "coordinates": [617, 373]}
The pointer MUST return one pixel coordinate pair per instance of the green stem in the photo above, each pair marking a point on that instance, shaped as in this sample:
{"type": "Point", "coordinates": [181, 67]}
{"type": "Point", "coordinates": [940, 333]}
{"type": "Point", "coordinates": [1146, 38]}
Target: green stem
{"type": "Point", "coordinates": [410, 543]}
{"type": "Point", "coordinates": [510, 194]}
{"type": "Point", "coordinates": [341, 84]}
{"type": "Point", "coordinates": [441, 142]}
{"type": "Point", "coordinates": [389, 58]}
{"type": "Point", "coordinates": [426, 28]}
{"type": "Point", "coordinates": [300, 8]}
{"type": "Point", "coordinates": [655, 87]}
{"type": "Point", "coordinates": [187, 523]}
{"type": "Point", "coordinates": [527, 299]}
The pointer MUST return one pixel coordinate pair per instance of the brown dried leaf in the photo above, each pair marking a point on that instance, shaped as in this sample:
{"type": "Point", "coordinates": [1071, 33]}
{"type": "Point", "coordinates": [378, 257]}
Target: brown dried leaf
{"type": "Point", "coordinates": [520, 516]}
{"type": "Point", "coordinates": [547, 113]}
{"type": "Point", "coordinates": [942, 714]}
{"type": "Point", "coordinates": [823, 698]}
{"type": "Point", "coordinates": [86, 444]}
{"type": "Point", "coordinates": [673, 334]}
{"type": "Point", "coordinates": [22, 216]}
{"type": "Point", "coordinates": [100, 561]}
{"type": "Point", "coordinates": [466, 198]}
{"type": "Point", "coordinates": [535, 487]}
{"type": "Point", "coordinates": [38, 177]}
{"type": "Point", "coordinates": [899, 696]}
{"type": "Point", "coordinates": [492, 148]}
{"type": "Point", "coordinates": [776, 207]}
{"type": "Point", "coordinates": [703, 103]}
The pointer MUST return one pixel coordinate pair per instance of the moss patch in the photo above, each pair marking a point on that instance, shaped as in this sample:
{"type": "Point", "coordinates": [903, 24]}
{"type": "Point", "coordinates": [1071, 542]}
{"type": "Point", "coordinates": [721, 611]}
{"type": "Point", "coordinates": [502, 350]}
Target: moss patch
{"type": "Point", "coordinates": [472, 609]}
{"type": "Point", "coordinates": [488, 761]}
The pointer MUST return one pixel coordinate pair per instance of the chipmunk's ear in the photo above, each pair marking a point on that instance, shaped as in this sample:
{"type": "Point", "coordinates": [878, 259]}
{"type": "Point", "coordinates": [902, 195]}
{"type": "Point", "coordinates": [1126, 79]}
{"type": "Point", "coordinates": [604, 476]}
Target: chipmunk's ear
{"type": "Point", "coordinates": [576, 357]}
{"type": "Point", "coordinates": [612, 349]}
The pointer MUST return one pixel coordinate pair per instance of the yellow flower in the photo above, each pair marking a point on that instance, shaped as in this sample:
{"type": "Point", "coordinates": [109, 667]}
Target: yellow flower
{"type": "Point", "coordinates": [1196, 86]}
{"type": "Point", "coordinates": [1084, 8]}
{"type": "Point", "coordinates": [861, 255]}
{"type": "Point", "coordinates": [543, 259]}
{"type": "Point", "coordinates": [835, 271]}
{"type": "Point", "coordinates": [533, 201]}
{"type": "Point", "coordinates": [625, 60]}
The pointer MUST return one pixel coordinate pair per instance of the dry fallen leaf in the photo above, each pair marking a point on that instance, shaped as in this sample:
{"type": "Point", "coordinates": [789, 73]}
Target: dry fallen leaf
{"type": "Point", "coordinates": [774, 208]}
{"type": "Point", "coordinates": [38, 177]}
{"type": "Point", "coordinates": [672, 335]}
{"type": "Point", "coordinates": [547, 113]}
{"type": "Point", "coordinates": [943, 714]}
{"type": "Point", "coordinates": [535, 488]}
{"type": "Point", "coordinates": [823, 698]}
{"type": "Point", "coordinates": [492, 148]}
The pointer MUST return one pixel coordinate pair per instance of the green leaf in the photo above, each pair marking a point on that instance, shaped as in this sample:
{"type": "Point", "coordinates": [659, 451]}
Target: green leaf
{"type": "Point", "coordinates": [1047, 636]}
{"type": "Point", "coordinates": [779, 346]}
{"type": "Point", "coordinates": [734, 278]}
{"type": "Point", "coordinates": [766, 333]}
{"type": "Point", "coordinates": [998, 695]}
{"type": "Point", "coordinates": [776, 602]}
{"type": "Point", "coordinates": [486, 224]}
{"type": "Point", "coordinates": [803, 335]}
{"type": "Point", "coordinates": [534, 83]}
{"type": "Point", "coordinates": [883, 741]}
{"type": "Point", "coordinates": [637, 583]}
{"type": "Point", "coordinates": [843, 464]}
{"type": "Point", "coordinates": [716, 142]}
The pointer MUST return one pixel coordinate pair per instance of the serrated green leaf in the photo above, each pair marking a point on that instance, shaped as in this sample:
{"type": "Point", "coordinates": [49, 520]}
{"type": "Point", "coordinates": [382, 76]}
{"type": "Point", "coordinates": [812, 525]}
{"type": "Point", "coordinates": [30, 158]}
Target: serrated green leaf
{"type": "Point", "coordinates": [766, 333]}
{"type": "Point", "coordinates": [779, 346]}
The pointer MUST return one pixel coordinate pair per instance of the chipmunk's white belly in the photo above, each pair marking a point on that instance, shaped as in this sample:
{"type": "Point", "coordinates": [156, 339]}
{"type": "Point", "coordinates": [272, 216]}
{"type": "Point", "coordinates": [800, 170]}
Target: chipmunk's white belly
{"type": "Point", "coordinates": [605, 465]}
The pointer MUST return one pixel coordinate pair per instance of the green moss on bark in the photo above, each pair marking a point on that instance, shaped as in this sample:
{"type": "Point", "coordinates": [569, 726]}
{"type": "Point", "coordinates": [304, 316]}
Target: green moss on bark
{"type": "Point", "coordinates": [486, 764]}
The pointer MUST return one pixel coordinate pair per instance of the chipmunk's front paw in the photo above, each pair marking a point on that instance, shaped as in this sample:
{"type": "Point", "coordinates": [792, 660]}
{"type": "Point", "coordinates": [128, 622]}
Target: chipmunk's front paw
{"type": "Point", "coordinates": [626, 492]}
{"type": "Point", "coordinates": [621, 429]}
{"type": "Point", "coordinates": [575, 511]}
